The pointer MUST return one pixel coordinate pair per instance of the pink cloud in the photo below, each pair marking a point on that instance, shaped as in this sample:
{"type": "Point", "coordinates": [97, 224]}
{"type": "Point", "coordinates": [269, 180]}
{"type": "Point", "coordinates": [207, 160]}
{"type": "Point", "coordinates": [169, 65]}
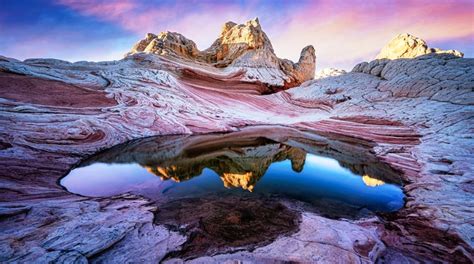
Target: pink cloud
{"type": "Point", "coordinates": [126, 13]}
{"type": "Point", "coordinates": [141, 19]}
{"type": "Point", "coordinates": [106, 9]}
{"type": "Point", "coordinates": [343, 32]}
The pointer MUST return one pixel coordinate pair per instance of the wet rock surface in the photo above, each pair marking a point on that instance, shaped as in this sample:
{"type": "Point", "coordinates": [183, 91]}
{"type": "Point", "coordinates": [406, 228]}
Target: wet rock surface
{"type": "Point", "coordinates": [219, 224]}
{"type": "Point", "coordinates": [415, 114]}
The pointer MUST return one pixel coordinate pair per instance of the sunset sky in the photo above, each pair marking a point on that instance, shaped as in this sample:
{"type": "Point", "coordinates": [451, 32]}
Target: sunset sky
{"type": "Point", "coordinates": [343, 32]}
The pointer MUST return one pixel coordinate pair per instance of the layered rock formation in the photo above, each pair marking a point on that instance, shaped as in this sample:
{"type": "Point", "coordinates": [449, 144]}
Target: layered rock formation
{"type": "Point", "coordinates": [415, 114]}
{"type": "Point", "coordinates": [238, 46]}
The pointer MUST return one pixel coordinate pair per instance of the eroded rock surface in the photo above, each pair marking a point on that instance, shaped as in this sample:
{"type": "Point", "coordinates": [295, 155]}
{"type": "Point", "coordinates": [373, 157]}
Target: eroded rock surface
{"type": "Point", "coordinates": [239, 46]}
{"type": "Point", "coordinates": [416, 114]}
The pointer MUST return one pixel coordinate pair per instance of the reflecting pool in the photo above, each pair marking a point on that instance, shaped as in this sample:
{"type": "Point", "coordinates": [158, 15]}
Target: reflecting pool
{"type": "Point", "coordinates": [312, 171]}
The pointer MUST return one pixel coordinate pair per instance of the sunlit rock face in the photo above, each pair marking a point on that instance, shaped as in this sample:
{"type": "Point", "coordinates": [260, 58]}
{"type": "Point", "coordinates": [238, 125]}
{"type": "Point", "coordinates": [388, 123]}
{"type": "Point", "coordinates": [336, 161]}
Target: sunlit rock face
{"type": "Point", "coordinates": [244, 46]}
{"type": "Point", "coordinates": [401, 48]}
{"type": "Point", "coordinates": [236, 39]}
{"type": "Point", "coordinates": [171, 43]}
{"type": "Point", "coordinates": [408, 46]}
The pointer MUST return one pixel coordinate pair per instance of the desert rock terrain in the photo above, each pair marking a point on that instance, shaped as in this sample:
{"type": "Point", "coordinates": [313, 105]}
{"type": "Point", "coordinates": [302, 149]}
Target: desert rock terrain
{"type": "Point", "coordinates": [413, 107]}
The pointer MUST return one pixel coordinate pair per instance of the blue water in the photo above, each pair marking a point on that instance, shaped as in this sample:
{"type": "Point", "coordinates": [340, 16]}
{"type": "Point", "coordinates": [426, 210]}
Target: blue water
{"type": "Point", "coordinates": [322, 178]}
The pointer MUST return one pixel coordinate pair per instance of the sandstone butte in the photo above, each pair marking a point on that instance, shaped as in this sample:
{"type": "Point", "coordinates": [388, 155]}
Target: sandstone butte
{"type": "Point", "coordinates": [414, 104]}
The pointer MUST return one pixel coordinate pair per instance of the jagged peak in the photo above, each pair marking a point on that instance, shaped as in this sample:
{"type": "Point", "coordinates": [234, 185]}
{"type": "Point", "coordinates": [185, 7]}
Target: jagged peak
{"type": "Point", "coordinates": [227, 26]}
{"type": "Point", "coordinates": [253, 22]}
{"type": "Point", "coordinates": [249, 33]}
{"type": "Point", "coordinates": [150, 36]}
{"type": "Point", "coordinates": [307, 55]}
{"type": "Point", "coordinates": [234, 40]}
{"type": "Point", "coordinates": [238, 45]}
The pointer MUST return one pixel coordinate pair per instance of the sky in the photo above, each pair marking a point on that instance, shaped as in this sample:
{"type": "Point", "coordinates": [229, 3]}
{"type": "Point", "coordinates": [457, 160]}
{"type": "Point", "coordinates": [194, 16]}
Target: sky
{"type": "Point", "coordinates": [342, 32]}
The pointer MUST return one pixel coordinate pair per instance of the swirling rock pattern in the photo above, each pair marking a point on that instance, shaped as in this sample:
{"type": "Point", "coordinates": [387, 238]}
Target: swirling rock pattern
{"type": "Point", "coordinates": [239, 46]}
{"type": "Point", "coordinates": [416, 114]}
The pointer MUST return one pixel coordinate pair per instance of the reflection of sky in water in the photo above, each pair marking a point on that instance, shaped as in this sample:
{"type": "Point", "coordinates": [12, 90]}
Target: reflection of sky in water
{"type": "Point", "coordinates": [325, 178]}
{"type": "Point", "coordinates": [101, 179]}
{"type": "Point", "coordinates": [321, 177]}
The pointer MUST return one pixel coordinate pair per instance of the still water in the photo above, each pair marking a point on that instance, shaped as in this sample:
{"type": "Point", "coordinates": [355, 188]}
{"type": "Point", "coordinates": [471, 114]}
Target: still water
{"type": "Point", "coordinates": [208, 166]}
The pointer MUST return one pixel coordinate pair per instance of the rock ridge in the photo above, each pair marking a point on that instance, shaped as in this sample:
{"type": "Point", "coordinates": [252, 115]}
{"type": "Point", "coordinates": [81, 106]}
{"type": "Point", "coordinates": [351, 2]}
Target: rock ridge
{"type": "Point", "coordinates": [238, 46]}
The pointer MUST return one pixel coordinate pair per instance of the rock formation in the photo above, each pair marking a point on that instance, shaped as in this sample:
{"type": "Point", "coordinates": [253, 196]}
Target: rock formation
{"type": "Point", "coordinates": [235, 40]}
{"type": "Point", "coordinates": [408, 47]}
{"type": "Point", "coordinates": [167, 43]}
{"type": "Point", "coordinates": [329, 72]}
{"type": "Point", "coordinates": [416, 115]}
{"type": "Point", "coordinates": [403, 46]}
{"type": "Point", "coordinates": [238, 46]}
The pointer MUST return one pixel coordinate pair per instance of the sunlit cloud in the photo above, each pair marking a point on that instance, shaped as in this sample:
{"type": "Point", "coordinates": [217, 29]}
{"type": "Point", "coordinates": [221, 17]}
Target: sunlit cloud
{"type": "Point", "coordinates": [352, 32]}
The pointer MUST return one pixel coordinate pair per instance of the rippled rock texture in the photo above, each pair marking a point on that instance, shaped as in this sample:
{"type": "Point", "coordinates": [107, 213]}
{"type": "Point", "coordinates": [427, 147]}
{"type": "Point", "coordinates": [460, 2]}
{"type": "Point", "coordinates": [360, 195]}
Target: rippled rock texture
{"type": "Point", "coordinates": [244, 46]}
{"type": "Point", "coordinates": [415, 114]}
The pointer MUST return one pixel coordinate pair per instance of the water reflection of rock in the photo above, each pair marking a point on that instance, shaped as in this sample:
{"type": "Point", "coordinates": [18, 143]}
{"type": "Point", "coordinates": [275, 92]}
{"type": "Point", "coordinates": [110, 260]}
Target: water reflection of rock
{"type": "Point", "coordinates": [242, 159]}
{"type": "Point", "coordinates": [369, 181]}
{"type": "Point", "coordinates": [237, 167]}
{"type": "Point", "coordinates": [224, 223]}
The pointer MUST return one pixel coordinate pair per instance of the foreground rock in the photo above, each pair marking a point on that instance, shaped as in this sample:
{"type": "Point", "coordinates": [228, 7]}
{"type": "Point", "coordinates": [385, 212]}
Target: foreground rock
{"type": "Point", "coordinates": [415, 114]}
